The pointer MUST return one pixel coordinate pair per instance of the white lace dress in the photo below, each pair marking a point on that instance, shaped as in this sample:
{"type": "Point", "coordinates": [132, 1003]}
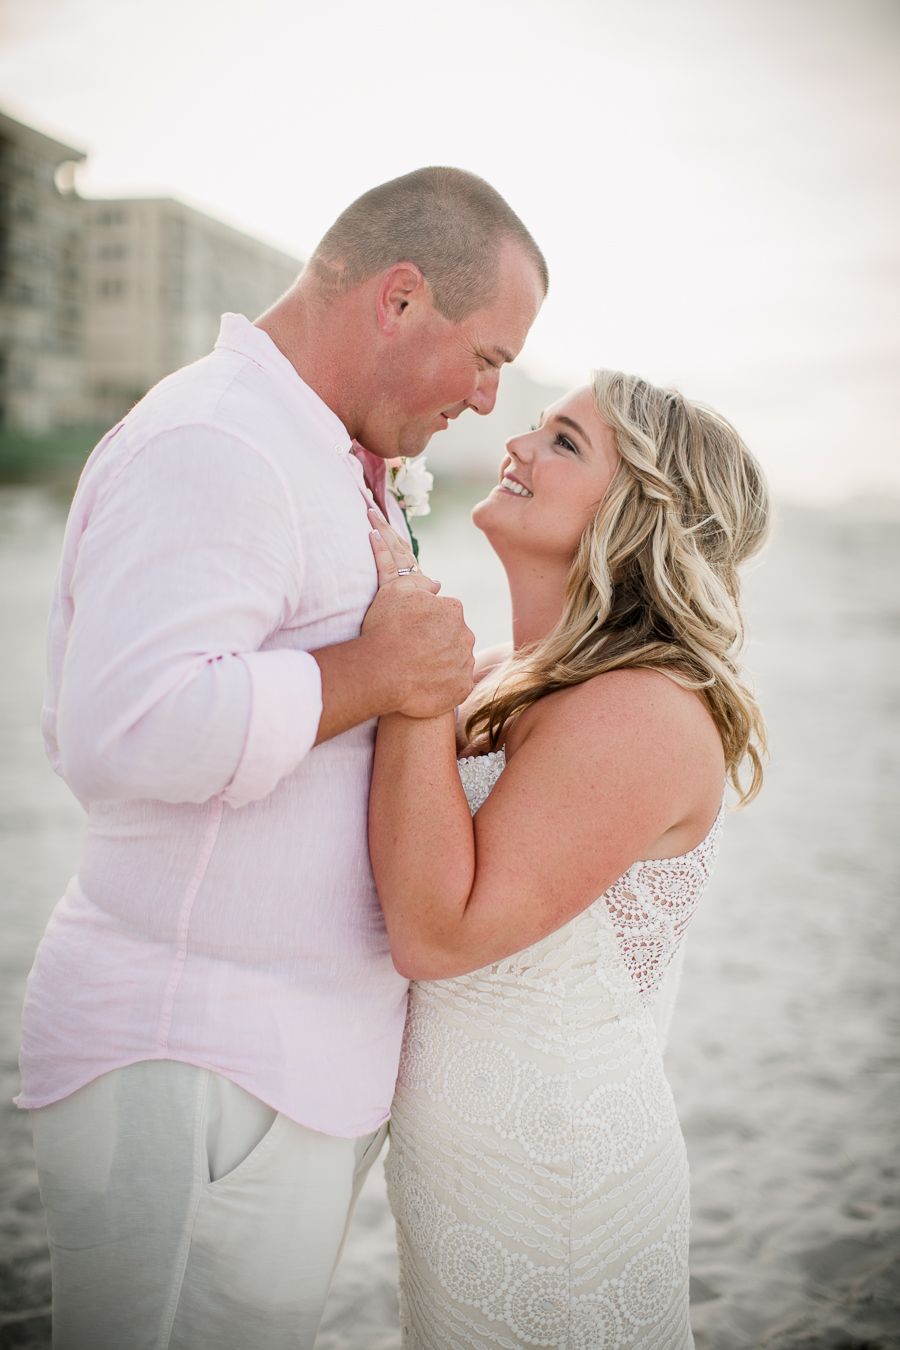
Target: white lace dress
{"type": "Point", "coordinates": [537, 1170]}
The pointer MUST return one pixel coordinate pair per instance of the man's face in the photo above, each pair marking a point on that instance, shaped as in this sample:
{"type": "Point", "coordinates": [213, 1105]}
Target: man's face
{"type": "Point", "coordinates": [434, 369]}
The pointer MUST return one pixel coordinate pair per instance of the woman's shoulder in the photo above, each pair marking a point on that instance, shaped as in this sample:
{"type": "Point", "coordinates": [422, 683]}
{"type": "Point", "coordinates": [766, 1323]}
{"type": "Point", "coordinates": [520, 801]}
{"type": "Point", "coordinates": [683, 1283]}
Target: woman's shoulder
{"type": "Point", "coordinates": [636, 742]}
{"type": "Point", "coordinates": [637, 705]}
{"type": "Point", "coordinates": [640, 690]}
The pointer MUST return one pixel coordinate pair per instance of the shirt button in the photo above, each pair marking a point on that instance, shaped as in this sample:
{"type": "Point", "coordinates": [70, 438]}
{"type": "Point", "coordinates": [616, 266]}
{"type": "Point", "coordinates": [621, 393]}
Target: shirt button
{"type": "Point", "coordinates": [338, 449]}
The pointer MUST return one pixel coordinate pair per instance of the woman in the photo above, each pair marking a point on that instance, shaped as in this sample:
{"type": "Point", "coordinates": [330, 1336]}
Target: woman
{"type": "Point", "coordinates": [537, 1169]}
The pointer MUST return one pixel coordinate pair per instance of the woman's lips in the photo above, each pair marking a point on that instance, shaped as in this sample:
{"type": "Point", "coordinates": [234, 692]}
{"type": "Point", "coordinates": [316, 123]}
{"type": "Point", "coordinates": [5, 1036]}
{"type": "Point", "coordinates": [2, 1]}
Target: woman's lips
{"type": "Point", "coordinates": [514, 487]}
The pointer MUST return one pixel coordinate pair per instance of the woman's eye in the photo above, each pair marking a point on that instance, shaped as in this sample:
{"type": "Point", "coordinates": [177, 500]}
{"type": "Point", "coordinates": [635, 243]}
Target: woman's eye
{"type": "Point", "coordinates": [564, 443]}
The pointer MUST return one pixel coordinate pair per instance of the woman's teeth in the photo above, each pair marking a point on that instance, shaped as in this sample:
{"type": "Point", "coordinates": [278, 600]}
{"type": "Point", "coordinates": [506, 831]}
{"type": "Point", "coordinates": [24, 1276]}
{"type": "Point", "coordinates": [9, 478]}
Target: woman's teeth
{"type": "Point", "coordinates": [512, 486]}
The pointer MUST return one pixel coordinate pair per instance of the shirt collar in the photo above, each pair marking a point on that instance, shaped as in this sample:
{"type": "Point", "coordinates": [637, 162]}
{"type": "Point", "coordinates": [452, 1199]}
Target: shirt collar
{"type": "Point", "coordinates": [238, 334]}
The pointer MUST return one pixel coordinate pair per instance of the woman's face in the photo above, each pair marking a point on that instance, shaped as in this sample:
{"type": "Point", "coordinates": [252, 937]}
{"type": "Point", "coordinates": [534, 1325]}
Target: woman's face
{"type": "Point", "coordinates": [551, 482]}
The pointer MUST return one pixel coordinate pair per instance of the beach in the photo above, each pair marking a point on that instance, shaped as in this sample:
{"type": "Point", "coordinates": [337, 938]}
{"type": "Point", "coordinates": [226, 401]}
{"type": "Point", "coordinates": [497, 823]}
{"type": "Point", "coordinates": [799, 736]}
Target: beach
{"type": "Point", "coordinates": [783, 1053]}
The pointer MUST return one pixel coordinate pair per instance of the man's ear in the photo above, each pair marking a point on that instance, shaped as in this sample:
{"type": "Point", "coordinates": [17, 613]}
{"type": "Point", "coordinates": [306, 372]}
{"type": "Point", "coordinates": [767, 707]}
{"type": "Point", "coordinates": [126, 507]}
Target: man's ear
{"type": "Point", "coordinates": [398, 287]}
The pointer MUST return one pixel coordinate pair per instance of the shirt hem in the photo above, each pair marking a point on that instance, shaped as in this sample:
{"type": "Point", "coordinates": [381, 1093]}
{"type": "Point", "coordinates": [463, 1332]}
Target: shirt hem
{"type": "Point", "coordinates": [25, 1102]}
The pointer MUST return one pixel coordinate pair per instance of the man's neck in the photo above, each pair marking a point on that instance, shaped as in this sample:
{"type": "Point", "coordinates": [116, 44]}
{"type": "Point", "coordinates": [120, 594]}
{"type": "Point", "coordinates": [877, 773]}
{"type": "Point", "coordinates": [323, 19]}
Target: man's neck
{"type": "Point", "coordinates": [320, 340]}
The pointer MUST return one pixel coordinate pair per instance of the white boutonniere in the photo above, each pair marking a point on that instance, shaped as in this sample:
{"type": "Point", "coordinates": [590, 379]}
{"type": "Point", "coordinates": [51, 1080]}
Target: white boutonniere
{"type": "Point", "coordinates": [410, 483]}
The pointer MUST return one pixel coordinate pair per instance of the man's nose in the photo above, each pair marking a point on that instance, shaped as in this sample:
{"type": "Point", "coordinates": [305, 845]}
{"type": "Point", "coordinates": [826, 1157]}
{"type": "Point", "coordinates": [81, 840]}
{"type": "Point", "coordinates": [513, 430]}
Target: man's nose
{"type": "Point", "coordinates": [485, 393]}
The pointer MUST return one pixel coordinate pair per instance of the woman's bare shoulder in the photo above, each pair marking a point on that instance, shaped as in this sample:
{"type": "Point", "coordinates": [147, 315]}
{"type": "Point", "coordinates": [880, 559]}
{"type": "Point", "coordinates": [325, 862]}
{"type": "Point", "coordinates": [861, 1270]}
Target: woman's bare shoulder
{"type": "Point", "coordinates": [645, 752]}
{"type": "Point", "coordinates": [650, 693]}
{"type": "Point", "coordinates": [636, 705]}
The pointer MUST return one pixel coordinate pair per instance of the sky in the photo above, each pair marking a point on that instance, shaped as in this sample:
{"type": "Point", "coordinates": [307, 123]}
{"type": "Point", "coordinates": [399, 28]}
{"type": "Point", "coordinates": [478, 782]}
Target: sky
{"type": "Point", "coordinates": [714, 182]}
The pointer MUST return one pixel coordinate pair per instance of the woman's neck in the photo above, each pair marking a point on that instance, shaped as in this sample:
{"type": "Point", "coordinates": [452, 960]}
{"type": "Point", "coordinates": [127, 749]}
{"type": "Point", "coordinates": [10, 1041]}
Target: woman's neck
{"type": "Point", "coordinates": [537, 589]}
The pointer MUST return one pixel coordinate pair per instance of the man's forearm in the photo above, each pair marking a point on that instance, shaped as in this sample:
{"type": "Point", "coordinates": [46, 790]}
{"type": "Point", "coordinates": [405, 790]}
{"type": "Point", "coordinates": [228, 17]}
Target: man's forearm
{"type": "Point", "coordinates": [359, 681]}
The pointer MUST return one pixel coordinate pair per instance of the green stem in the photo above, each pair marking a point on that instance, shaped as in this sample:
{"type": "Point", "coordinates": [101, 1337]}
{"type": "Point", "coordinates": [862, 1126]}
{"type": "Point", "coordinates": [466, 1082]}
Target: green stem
{"type": "Point", "coordinates": [413, 540]}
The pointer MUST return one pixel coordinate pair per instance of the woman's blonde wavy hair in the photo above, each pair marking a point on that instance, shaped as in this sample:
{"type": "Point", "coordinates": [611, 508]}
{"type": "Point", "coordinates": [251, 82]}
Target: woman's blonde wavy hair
{"type": "Point", "coordinates": [654, 584]}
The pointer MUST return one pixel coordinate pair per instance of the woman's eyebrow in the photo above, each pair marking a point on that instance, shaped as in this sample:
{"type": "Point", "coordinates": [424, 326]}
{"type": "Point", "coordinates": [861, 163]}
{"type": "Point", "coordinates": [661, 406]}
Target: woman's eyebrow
{"type": "Point", "coordinates": [567, 421]}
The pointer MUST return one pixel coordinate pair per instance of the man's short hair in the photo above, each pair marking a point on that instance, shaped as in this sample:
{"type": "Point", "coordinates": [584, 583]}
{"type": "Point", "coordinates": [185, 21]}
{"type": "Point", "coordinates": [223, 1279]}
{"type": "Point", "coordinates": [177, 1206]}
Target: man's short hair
{"type": "Point", "coordinates": [450, 223]}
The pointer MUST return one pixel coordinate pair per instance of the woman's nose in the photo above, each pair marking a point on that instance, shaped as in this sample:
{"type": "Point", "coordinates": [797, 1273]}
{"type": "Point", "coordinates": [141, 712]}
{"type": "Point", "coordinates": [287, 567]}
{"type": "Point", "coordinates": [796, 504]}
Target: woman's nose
{"type": "Point", "coordinates": [519, 448]}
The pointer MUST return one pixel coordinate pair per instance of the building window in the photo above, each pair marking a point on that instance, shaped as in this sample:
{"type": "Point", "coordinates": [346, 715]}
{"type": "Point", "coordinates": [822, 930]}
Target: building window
{"type": "Point", "coordinates": [109, 287]}
{"type": "Point", "coordinates": [111, 217]}
{"type": "Point", "coordinates": [112, 252]}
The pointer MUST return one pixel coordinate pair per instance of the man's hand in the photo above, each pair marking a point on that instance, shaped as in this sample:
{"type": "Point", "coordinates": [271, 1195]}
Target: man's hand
{"type": "Point", "coordinates": [423, 635]}
{"type": "Point", "coordinates": [413, 655]}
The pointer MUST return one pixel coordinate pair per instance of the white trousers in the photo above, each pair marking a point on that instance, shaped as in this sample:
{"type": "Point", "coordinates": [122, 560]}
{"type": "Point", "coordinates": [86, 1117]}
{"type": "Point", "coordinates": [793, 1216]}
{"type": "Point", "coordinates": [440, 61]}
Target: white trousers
{"type": "Point", "coordinates": [185, 1214]}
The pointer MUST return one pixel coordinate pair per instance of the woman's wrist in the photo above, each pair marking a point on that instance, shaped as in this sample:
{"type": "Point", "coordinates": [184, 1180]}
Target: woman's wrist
{"type": "Point", "coordinates": [430, 735]}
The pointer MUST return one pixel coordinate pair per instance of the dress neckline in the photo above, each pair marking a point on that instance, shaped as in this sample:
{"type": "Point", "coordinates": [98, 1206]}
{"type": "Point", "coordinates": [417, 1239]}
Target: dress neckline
{"type": "Point", "coordinates": [491, 754]}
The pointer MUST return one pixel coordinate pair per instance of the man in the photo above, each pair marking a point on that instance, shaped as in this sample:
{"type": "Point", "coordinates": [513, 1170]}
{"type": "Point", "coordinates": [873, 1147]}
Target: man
{"type": "Point", "coordinates": [213, 1021]}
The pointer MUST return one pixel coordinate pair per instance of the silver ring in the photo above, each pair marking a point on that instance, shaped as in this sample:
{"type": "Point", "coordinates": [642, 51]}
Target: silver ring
{"type": "Point", "coordinates": [405, 571]}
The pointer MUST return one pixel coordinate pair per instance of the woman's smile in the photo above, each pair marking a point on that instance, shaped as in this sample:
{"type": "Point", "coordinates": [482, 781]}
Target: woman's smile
{"type": "Point", "coordinates": [562, 468]}
{"type": "Point", "coordinates": [510, 484]}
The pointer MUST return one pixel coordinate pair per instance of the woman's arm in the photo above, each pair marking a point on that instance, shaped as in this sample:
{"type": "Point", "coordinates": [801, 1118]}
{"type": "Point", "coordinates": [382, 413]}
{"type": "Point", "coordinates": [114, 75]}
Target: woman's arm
{"type": "Point", "coordinates": [625, 766]}
{"type": "Point", "coordinates": [421, 838]}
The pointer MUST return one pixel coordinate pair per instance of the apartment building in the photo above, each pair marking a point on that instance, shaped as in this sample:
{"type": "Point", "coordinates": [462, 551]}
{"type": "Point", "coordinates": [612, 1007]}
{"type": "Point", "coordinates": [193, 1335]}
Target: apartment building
{"type": "Point", "coordinates": [41, 348]}
{"type": "Point", "coordinates": [157, 277]}
{"type": "Point", "coordinates": [99, 300]}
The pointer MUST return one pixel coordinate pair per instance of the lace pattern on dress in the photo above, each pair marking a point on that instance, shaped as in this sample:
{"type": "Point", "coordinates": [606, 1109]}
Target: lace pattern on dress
{"type": "Point", "coordinates": [652, 905]}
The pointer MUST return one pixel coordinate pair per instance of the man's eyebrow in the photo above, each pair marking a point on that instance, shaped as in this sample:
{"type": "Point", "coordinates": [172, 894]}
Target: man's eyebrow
{"type": "Point", "coordinates": [503, 354]}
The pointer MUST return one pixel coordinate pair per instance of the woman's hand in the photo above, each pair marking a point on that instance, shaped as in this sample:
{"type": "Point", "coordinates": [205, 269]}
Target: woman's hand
{"type": "Point", "coordinates": [394, 558]}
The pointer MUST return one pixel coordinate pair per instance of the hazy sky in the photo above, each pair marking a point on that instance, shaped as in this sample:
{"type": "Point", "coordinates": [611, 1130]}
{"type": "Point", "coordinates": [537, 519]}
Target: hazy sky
{"type": "Point", "coordinates": [714, 182]}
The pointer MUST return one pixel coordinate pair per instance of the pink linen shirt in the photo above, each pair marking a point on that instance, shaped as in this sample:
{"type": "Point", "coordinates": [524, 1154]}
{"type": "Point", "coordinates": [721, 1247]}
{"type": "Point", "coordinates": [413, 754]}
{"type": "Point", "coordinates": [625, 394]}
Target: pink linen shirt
{"type": "Point", "coordinates": [224, 913]}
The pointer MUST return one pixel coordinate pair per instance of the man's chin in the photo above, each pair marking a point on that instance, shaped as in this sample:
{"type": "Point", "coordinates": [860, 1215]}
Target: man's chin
{"type": "Point", "coordinates": [415, 443]}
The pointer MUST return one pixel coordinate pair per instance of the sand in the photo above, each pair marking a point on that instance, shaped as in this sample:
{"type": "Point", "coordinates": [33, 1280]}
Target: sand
{"type": "Point", "coordinates": [784, 1050]}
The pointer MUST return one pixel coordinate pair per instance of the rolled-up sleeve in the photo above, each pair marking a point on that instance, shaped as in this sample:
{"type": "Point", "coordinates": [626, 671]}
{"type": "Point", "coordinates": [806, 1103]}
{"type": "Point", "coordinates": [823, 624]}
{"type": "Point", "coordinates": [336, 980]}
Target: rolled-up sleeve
{"type": "Point", "coordinates": [189, 562]}
{"type": "Point", "coordinates": [276, 742]}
